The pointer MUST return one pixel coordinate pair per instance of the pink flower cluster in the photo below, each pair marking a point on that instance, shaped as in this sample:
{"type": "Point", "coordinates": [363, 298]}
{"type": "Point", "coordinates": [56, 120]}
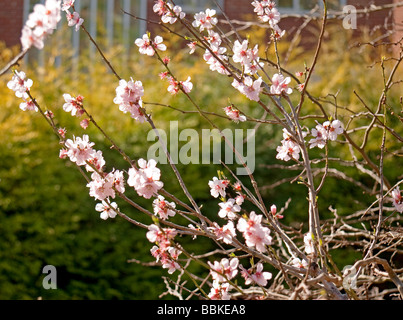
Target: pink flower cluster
{"type": "Point", "coordinates": [163, 208]}
{"type": "Point", "coordinates": [168, 12]}
{"type": "Point", "coordinates": [324, 132]}
{"type": "Point", "coordinates": [259, 277]}
{"type": "Point", "coordinates": [73, 18]}
{"type": "Point", "coordinates": [163, 251]}
{"type": "Point", "coordinates": [280, 84]}
{"type": "Point", "coordinates": [225, 233]}
{"type": "Point", "coordinates": [215, 56]}
{"type": "Point", "coordinates": [128, 97]}
{"type": "Point", "coordinates": [234, 114]}
{"type": "Point", "coordinates": [73, 105]}
{"type": "Point", "coordinates": [175, 86]}
{"type": "Point", "coordinates": [254, 233]}
{"type": "Point", "coordinates": [205, 20]}
{"type": "Point", "coordinates": [20, 84]}
{"type": "Point", "coordinates": [229, 209]}
{"type": "Point", "coordinates": [267, 12]}
{"type": "Point", "coordinates": [148, 47]}
{"type": "Point", "coordinates": [224, 270]}
{"type": "Point", "coordinates": [217, 187]}
{"type": "Point", "coordinates": [247, 57]}
{"type": "Point", "coordinates": [145, 180]}
{"type": "Point", "coordinates": [249, 87]}
{"type": "Point", "coordinates": [289, 149]}
{"type": "Point", "coordinates": [41, 22]}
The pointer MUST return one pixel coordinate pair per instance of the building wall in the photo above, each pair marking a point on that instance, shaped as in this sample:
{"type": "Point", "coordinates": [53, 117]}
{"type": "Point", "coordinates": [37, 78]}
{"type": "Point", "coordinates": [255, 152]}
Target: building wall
{"type": "Point", "coordinates": [11, 21]}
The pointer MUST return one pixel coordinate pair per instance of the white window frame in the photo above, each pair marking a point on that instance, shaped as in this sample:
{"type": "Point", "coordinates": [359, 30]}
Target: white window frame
{"type": "Point", "coordinates": [296, 7]}
{"type": "Point", "coordinates": [195, 7]}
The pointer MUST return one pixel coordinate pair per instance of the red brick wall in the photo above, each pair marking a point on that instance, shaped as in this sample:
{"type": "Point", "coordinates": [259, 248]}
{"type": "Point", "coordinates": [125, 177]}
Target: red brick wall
{"type": "Point", "coordinates": [11, 15]}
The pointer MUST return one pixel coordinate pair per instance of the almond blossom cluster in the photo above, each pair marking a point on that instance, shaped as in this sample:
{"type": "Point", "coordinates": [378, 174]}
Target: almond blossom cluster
{"type": "Point", "coordinates": [148, 46]}
{"type": "Point", "coordinates": [324, 132]}
{"type": "Point", "coordinates": [20, 84]}
{"type": "Point", "coordinates": [267, 12]}
{"type": "Point", "coordinates": [222, 272]}
{"type": "Point", "coordinates": [164, 252]}
{"type": "Point", "coordinates": [255, 275]}
{"type": "Point", "coordinates": [145, 179]}
{"type": "Point", "coordinates": [163, 208]}
{"type": "Point", "coordinates": [247, 57]}
{"type": "Point", "coordinates": [73, 18]}
{"type": "Point", "coordinates": [234, 114]}
{"type": "Point", "coordinates": [289, 148]}
{"type": "Point", "coordinates": [168, 12]}
{"type": "Point", "coordinates": [218, 186]}
{"type": "Point", "coordinates": [249, 87]}
{"type": "Point", "coordinates": [128, 97]}
{"type": "Point", "coordinates": [254, 233]}
{"type": "Point", "coordinates": [215, 56]}
{"type": "Point", "coordinates": [73, 104]}
{"type": "Point", "coordinates": [175, 86]}
{"type": "Point", "coordinates": [41, 22]}
{"type": "Point", "coordinates": [205, 20]}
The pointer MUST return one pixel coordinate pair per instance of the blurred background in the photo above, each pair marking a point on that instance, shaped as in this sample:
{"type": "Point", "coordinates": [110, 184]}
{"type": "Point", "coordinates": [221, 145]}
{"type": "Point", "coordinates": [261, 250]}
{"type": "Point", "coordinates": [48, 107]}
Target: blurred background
{"type": "Point", "coordinates": [46, 214]}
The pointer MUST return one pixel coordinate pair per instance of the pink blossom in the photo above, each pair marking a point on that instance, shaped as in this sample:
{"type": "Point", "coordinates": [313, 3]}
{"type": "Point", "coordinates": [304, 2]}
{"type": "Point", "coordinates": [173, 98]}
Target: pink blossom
{"type": "Point", "coordinates": [172, 14]}
{"type": "Point", "coordinates": [205, 20]}
{"type": "Point", "coordinates": [107, 210]}
{"type": "Point", "coordinates": [229, 209]}
{"type": "Point", "coordinates": [73, 105]}
{"type": "Point", "coordinates": [224, 270]}
{"type": "Point", "coordinates": [84, 123]}
{"type": "Point", "coordinates": [259, 277]}
{"type": "Point", "coordinates": [320, 137]}
{"type": "Point", "coordinates": [254, 233]}
{"type": "Point", "coordinates": [234, 114]}
{"type": "Point", "coordinates": [128, 97]}
{"type": "Point", "coordinates": [288, 150]}
{"type": "Point", "coordinates": [327, 131]}
{"type": "Point", "coordinates": [298, 263]}
{"type": "Point", "coordinates": [28, 105]}
{"type": "Point", "coordinates": [95, 160]}
{"type": "Point", "coordinates": [20, 84]}
{"type": "Point", "coordinates": [333, 128]}
{"type": "Point", "coordinates": [160, 7]}
{"type": "Point", "coordinates": [219, 291]}
{"type": "Point", "coordinates": [67, 4]}
{"type": "Point", "coordinates": [397, 199]}
{"type": "Point", "coordinates": [273, 211]}
{"type": "Point", "coordinates": [79, 149]}
{"type": "Point", "coordinates": [239, 199]}
{"type": "Point", "coordinates": [29, 39]}
{"type": "Point", "coordinates": [41, 22]}
{"type": "Point", "coordinates": [101, 187]}
{"type": "Point", "coordinates": [217, 187]}
{"type": "Point", "coordinates": [161, 235]}
{"type": "Point", "coordinates": [251, 89]}
{"type": "Point", "coordinates": [225, 233]}
{"type": "Point", "coordinates": [147, 47]}
{"type": "Point", "coordinates": [175, 86]}
{"type": "Point", "coordinates": [145, 180]}
{"type": "Point", "coordinates": [163, 208]}
{"type": "Point", "coordinates": [280, 84]}
{"type": "Point", "coordinates": [62, 132]}
{"type": "Point", "coordinates": [74, 20]}
{"type": "Point", "coordinates": [192, 47]}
